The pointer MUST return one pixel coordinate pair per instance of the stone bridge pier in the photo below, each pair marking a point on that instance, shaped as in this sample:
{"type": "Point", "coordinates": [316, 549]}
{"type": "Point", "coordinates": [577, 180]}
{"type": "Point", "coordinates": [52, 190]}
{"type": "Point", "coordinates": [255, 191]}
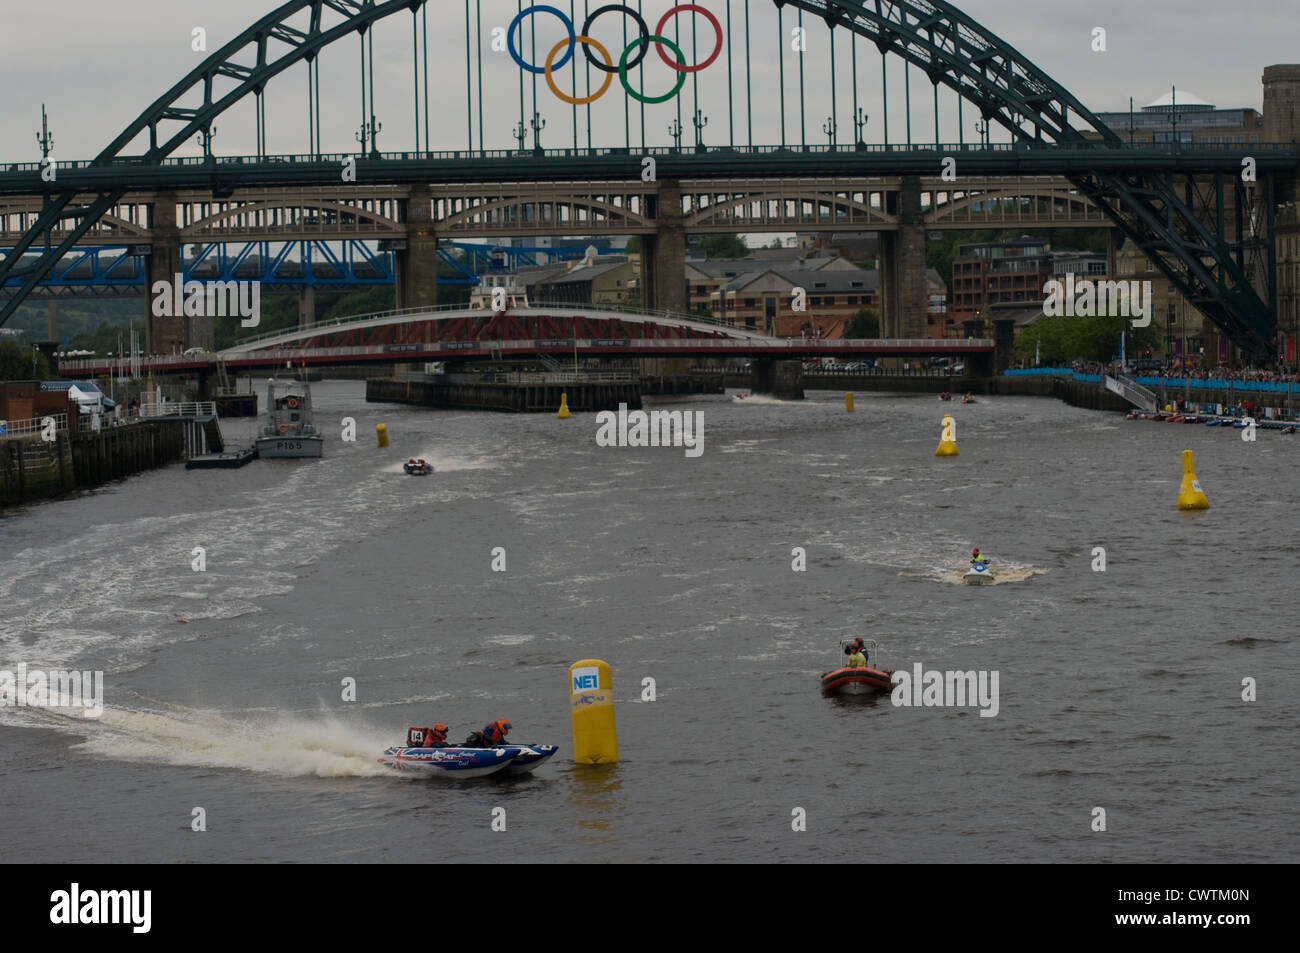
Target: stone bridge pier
{"type": "Point", "coordinates": [780, 378]}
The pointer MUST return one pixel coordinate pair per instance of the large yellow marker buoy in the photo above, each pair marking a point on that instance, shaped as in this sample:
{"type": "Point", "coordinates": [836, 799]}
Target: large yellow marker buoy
{"type": "Point", "coordinates": [1190, 494]}
{"type": "Point", "coordinates": [564, 407]}
{"type": "Point", "coordinates": [591, 696]}
{"type": "Point", "coordinates": [382, 431]}
{"type": "Point", "coordinates": [948, 441]}
{"type": "Point", "coordinates": [848, 402]}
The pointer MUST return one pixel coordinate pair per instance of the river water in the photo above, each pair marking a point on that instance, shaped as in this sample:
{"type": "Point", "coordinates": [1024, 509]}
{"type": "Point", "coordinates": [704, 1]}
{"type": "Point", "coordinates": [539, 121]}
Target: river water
{"type": "Point", "coordinates": [1119, 690]}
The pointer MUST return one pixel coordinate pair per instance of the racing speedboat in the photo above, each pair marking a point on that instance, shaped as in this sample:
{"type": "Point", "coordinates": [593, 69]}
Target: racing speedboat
{"type": "Point", "coordinates": [528, 757]}
{"type": "Point", "coordinates": [858, 679]}
{"type": "Point", "coordinates": [419, 467]}
{"type": "Point", "coordinates": [978, 575]}
{"type": "Point", "coordinates": [449, 762]}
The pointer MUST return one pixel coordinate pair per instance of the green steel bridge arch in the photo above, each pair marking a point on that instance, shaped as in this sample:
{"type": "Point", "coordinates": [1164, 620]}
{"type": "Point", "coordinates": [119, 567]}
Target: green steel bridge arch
{"type": "Point", "coordinates": [948, 46]}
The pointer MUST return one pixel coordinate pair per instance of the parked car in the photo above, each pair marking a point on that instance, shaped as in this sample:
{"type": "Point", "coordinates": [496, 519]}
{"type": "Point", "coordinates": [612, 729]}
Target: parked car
{"type": "Point", "coordinates": [195, 351]}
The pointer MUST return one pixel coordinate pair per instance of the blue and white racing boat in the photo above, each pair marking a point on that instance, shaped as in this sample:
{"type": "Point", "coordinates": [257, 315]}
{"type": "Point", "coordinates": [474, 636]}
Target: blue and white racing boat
{"type": "Point", "coordinates": [978, 575]}
{"type": "Point", "coordinates": [527, 757]}
{"type": "Point", "coordinates": [450, 762]}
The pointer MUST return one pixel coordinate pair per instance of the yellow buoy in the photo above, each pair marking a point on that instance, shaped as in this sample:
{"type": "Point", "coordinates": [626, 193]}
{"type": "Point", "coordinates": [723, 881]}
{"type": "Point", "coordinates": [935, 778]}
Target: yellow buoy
{"type": "Point", "coordinates": [564, 407]}
{"type": "Point", "coordinates": [948, 440]}
{"type": "Point", "coordinates": [382, 431]}
{"type": "Point", "coordinates": [1190, 494]}
{"type": "Point", "coordinates": [848, 402]}
{"type": "Point", "coordinates": [591, 696]}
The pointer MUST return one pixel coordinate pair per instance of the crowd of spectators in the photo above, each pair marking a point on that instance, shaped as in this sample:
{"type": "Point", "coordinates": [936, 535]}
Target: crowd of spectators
{"type": "Point", "coordinates": [1221, 373]}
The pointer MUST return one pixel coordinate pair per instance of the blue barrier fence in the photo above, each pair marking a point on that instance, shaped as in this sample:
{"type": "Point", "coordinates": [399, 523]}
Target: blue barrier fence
{"type": "Point", "coordinates": [1170, 383]}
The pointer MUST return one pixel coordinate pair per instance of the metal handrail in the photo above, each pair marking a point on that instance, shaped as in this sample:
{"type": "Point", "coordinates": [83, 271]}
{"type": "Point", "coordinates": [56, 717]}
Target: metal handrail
{"type": "Point", "coordinates": [171, 408]}
{"type": "Point", "coordinates": [31, 425]}
{"type": "Point", "coordinates": [1144, 148]}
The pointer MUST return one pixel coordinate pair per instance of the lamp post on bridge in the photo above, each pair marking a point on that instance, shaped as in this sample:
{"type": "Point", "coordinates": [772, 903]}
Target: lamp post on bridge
{"type": "Point", "coordinates": [538, 124]}
{"type": "Point", "coordinates": [205, 140]}
{"type": "Point", "coordinates": [520, 134]}
{"type": "Point", "coordinates": [982, 129]}
{"type": "Point", "coordinates": [675, 130]}
{"type": "Point", "coordinates": [699, 121]}
{"type": "Point", "coordinates": [367, 133]}
{"type": "Point", "coordinates": [45, 138]}
{"type": "Point", "coordinates": [860, 122]}
{"type": "Point", "coordinates": [829, 127]}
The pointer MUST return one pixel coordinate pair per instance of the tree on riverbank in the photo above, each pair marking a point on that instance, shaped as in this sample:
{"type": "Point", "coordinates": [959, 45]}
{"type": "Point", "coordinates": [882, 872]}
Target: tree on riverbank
{"type": "Point", "coordinates": [16, 361]}
{"type": "Point", "coordinates": [1063, 339]}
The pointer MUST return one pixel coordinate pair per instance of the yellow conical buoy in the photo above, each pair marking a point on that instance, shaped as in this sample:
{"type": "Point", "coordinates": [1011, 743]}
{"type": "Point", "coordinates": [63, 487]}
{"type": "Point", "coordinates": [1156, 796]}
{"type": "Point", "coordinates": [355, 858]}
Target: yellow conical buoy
{"type": "Point", "coordinates": [382, 431]}
{"type": "Point", "coordinates": [848, 402]}
{"type": "Point", "coordinates": [1190, 494]}
{"type": "Point", "coordinates": [564, 407]}
{"type": "Point", "coordinates": [948, 441]}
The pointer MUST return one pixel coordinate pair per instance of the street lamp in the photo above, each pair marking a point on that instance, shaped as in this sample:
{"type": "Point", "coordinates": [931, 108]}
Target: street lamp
{"type": "Point", "coordinates": [675, 130]}
{"type": "Point", "coordinates": [538, 125]}
{"type": "Point", "coordinates": [45, 138]}
{"type": "Point", "coordinates": [828, 127]}
{"type": "Point", "coordinates": [700, 121]}
{"type": "Point", "coordinates": [860, 121]}
{"type": "Point", "coordinates": [205, 140]}
{"type": "Point", "coordinates": [982, 129]}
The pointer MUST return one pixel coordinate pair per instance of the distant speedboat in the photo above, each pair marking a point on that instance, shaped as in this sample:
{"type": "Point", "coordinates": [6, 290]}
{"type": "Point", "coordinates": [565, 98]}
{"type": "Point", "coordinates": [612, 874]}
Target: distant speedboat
{"type": "Point", "coordinates": [968, 400]}
{"type": "Point", "coordinates": [945, 396]}
{"type": "Point", "coordinates": [978, 575]}
{"type": "Point", "coordinates": [419, 467]}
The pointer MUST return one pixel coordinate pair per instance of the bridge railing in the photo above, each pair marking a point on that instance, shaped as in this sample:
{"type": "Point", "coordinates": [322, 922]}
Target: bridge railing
{"type": "Point", "coordinates": [775, 348]}
{"type": "Point", "coordinates": [346, 320]}
{"type": "Point", "coordinates": [334, 158]}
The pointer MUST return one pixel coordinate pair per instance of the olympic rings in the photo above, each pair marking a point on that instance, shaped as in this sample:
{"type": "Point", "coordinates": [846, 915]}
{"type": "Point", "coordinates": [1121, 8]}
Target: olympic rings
{"type": "Point", "coordinates": [708, 15]}
{"type": "Point", "coordinates": [640, 25]}
{"type": "Point", "coordinates": [609, 72]}
{"type": "Point", "coordinates": [651, 100]}
{"type": "Point", "coordinates": [624, 64]}
{"type": "Point", "coordinates": [514, 24]}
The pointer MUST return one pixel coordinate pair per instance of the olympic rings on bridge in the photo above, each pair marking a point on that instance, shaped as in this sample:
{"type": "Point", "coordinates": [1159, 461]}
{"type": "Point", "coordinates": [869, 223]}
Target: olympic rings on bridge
{"type": "Point", "coordinates": [609, 73]}
{"type": "Point", "coordinates": [708, 15]}
{"type": "Point", "coordinates": [681, 73]}
{"type": "Point", "coordinates": [514, 25]}
{"type": "Point", "coordinates": [641, 44]}
{"type": "Point", "coordinates": [641, 28]}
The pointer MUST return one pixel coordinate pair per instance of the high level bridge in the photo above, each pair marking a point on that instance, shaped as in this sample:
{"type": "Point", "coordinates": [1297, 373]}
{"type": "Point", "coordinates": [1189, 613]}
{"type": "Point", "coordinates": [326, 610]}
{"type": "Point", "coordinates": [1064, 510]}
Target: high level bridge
{"type": "Point", "coordinates": [1040, 156]}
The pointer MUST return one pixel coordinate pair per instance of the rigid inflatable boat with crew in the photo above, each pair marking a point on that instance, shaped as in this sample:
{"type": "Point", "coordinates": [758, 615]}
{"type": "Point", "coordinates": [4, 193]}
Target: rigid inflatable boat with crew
{"type": "Point", "coordinates": [858, 679]}
{"type": "Point", "coordinates": [419, 467]}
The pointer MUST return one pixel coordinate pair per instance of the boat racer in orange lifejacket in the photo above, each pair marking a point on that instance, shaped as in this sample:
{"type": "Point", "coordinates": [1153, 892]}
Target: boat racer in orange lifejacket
{"type": "Point", "coordinates": [434, 737]}
{"type": "Point", "coordinates": [491, 735]}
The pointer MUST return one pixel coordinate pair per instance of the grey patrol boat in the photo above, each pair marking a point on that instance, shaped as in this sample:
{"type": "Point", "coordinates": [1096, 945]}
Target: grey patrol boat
{"type": "Point", "coordinates": [289, 431]}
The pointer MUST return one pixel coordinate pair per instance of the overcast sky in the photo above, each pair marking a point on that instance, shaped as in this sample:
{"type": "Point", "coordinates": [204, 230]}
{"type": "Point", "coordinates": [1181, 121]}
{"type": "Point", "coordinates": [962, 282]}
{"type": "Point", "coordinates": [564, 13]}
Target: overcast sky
{"type": "Point", "coordinates": [97, 64]}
